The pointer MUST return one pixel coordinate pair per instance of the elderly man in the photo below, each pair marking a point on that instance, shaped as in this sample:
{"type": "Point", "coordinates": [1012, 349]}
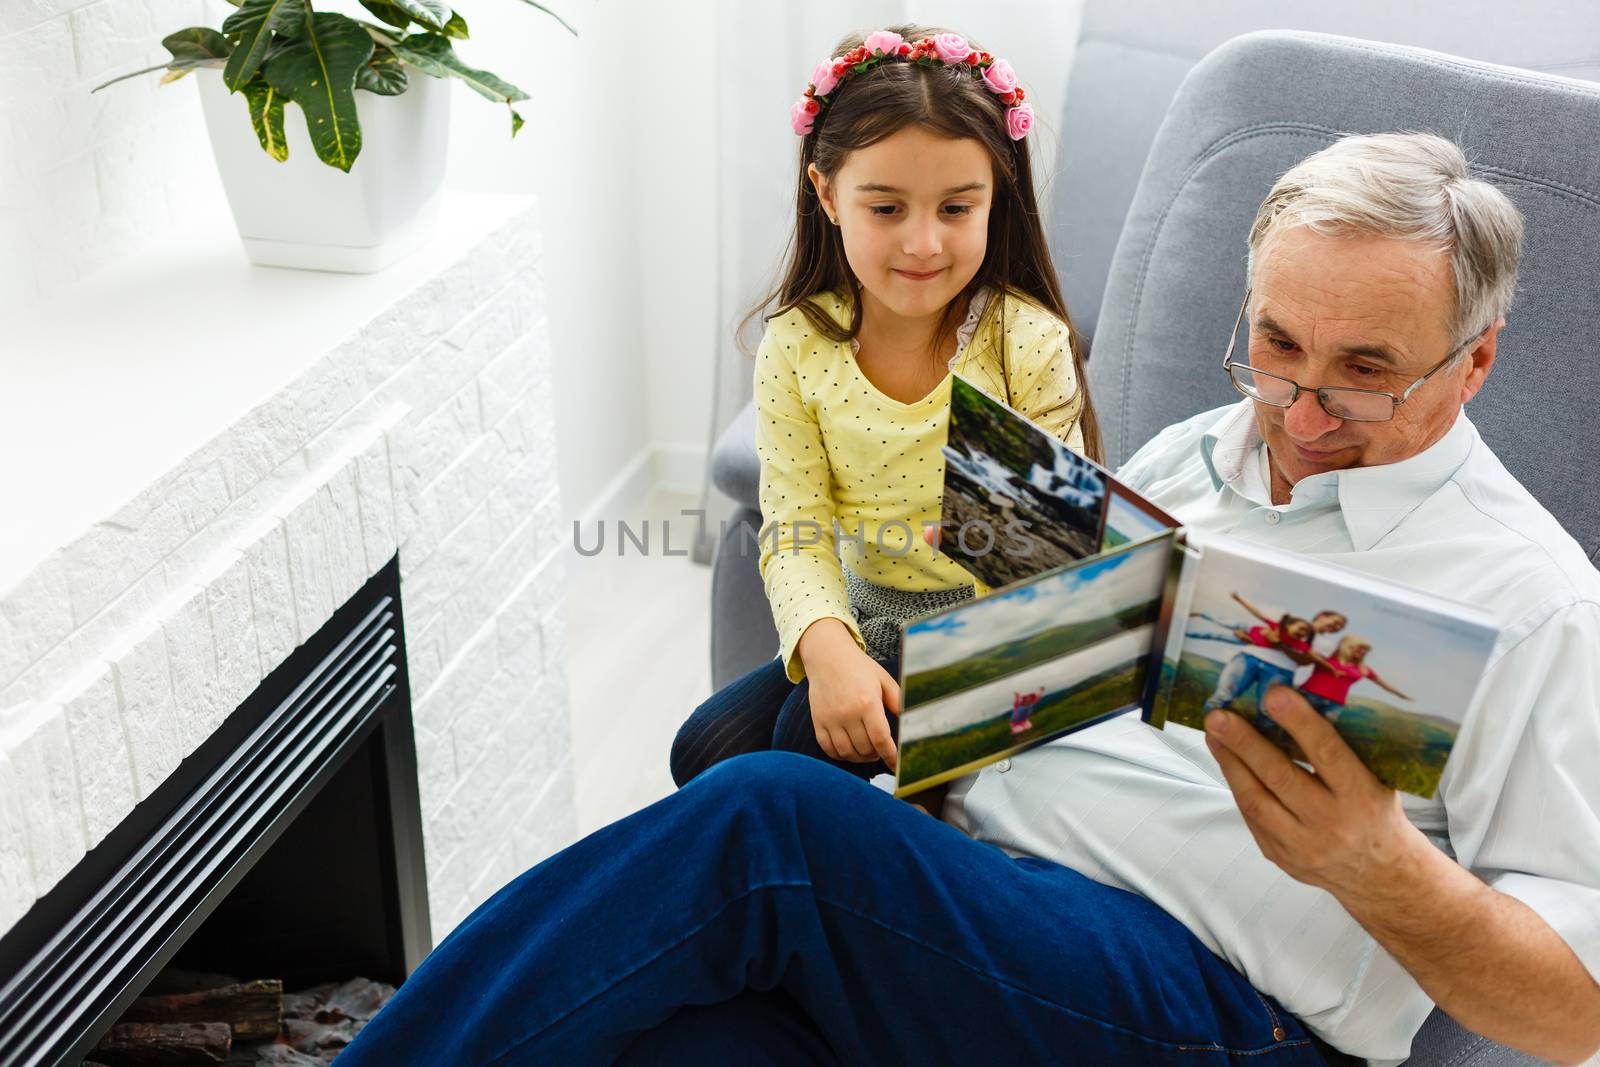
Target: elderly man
{"type": "Point", "coordinates": [1126, 894]}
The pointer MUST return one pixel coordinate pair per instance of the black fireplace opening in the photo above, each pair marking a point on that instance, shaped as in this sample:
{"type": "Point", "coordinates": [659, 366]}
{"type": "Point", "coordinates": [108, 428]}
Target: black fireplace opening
{"type": "Point", "coordinates": [288, 846]}
{"type": "Point", "coordinates": [316, 907]}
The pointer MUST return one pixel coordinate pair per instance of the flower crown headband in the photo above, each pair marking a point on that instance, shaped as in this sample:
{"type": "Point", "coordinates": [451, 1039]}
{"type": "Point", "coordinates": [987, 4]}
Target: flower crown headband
{"type": "Point", "coordinates": [949, 49]}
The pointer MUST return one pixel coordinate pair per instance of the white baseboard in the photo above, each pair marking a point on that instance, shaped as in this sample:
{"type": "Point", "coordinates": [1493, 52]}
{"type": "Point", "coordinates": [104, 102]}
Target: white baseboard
{"type": "Point", "coordinates": [680, 468]}
{"type": "Point", "coordinates": [660, 467]}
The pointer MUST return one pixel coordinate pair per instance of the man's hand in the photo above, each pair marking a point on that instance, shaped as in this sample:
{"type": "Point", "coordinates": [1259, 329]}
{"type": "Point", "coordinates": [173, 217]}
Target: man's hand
{"type": "Point", "coordinates": [1340, 828]}
{"type": "Point", "coordinates": [1484, 957]}
{"type": "Point", "coordinates": [849, 694]}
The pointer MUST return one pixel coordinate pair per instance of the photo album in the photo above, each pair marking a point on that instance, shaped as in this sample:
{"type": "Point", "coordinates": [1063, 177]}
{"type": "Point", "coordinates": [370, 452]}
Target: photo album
{"type": "Point", "coordinates": [1103, 603]}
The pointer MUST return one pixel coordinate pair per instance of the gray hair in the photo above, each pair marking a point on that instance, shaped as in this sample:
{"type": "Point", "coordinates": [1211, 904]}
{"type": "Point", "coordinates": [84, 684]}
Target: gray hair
{"type": "Point", "coordinates": [1413, 187]}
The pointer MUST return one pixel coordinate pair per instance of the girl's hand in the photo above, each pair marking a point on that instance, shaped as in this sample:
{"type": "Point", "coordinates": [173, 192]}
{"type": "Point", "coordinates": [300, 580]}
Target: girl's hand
{"type": "Point", "coordinates": [849, 694]}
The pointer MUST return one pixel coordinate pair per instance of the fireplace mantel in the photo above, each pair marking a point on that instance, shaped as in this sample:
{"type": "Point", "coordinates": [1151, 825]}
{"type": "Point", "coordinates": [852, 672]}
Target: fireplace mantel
{"type": "Point", "coordinates": [215, 456]}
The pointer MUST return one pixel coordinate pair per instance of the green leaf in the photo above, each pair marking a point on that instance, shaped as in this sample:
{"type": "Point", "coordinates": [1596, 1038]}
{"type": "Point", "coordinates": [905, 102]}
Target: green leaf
{"type": "Point", "coordinates": [434, 14]}
{"type": "Point", "coordinates": [266, 115]}
{"type": "Point", "coordinates": [433, 54]}
{"type": "Point", "coordinates": [516, 122]}
{"type": "Point", "coordinates": [387, 12]}
{"type": "Point", "coordinates": [383, 74]}
{"type": "Point", "coordinates": [318, 72]}
{"type": "Point", "coordinates": [552, 14]}
{"type": "Point", "coordinates": [456, 27]}
{"type": "Point", "coordinates": [196, 46]}
{"type": "Point", "coordinates": [255, 23]}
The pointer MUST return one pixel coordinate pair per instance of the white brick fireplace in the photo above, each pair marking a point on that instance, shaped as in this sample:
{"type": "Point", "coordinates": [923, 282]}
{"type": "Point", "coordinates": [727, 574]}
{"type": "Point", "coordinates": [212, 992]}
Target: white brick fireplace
{"type": "Point", "coordinates": [188, 498]}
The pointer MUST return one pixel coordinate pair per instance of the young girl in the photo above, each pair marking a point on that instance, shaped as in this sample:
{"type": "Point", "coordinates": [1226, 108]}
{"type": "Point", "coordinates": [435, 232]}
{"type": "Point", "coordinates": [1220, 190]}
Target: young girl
{"type": "Point", "coordinates": [917, 252]}
{"type": "Point", "coordinates": [1271, 653]}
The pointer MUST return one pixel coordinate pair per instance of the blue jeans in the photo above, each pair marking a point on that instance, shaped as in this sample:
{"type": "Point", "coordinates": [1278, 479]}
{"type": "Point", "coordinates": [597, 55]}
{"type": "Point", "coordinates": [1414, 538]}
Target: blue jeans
{"type": "Point", "coordinates": [1329, 709]}
{"type": "Point", "coordinates": [1243, 673]}
{"type": "Point", "coordinates": [777, 909]}
{"type": "Point", "coordinates": [761, 712]}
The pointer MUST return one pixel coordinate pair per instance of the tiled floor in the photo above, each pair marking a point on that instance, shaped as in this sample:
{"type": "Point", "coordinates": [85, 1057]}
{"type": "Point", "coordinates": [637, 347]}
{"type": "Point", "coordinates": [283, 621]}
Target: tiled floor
{"type": "Point", "coordinates": [638, 632]}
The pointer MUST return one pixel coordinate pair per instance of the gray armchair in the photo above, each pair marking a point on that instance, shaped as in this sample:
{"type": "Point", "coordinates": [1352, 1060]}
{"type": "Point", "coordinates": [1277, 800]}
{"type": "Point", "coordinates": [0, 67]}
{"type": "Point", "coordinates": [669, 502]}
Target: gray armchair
{"type": "Point", "coordinates": [1240, 117]}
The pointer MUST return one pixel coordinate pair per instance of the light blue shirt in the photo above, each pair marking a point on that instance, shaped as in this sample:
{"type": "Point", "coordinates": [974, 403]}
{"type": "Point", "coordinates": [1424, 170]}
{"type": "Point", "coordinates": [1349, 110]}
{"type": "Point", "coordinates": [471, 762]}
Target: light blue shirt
{"type": "Point", "coordinates": [1519, 803]}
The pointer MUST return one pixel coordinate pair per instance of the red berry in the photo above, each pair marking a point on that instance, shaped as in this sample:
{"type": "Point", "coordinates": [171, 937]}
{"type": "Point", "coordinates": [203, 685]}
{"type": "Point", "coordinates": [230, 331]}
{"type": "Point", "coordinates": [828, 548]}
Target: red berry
{"type": "Point", "coordinates": [904, 49]}
{"type": "Point", "coordinates": [812, 107]}
{"type": "Point", "coordinates": [1020, 95]}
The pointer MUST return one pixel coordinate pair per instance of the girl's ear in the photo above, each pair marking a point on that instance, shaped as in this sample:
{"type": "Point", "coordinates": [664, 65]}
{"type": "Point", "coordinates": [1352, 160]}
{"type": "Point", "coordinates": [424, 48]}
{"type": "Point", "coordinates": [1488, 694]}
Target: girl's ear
{"type": "Point", "coordinates": [819, 182]}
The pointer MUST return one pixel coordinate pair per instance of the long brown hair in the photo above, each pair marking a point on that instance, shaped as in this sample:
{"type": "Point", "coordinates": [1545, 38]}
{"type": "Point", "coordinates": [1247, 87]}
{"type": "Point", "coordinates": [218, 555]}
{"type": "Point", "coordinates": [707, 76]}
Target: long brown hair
{"type": "Point", "coordinates": [948, 101]}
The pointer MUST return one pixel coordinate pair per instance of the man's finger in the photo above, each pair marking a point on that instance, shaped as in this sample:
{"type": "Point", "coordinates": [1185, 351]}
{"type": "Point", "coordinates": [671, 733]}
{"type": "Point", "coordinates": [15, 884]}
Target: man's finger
{"type": "Point", "coordinates": [1335, 762]}
{"type": "Point", "coordinates": [1252, 799]}
{"type": "Point", "coordinates": [1258, 801]}
{"type": "Point", "coordinates": [1290, 783]}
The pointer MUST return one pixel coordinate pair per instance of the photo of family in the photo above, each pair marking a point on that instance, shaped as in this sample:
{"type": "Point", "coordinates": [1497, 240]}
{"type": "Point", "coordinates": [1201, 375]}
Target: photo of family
{"type": "Point", "coordinates": [1011, 670]}
{"type": "Point", "coordinates": [1017, 502]}
{"type": "Point", "coordinates": [1394, 678]}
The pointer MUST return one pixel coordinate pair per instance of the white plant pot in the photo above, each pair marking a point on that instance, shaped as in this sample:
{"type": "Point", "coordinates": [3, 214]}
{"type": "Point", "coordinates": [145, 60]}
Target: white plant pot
{"type": "Point", "coordinates": [303, 213]}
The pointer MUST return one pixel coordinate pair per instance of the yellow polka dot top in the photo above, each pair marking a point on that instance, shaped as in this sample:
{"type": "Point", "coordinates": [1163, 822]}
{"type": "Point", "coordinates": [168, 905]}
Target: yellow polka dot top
{"type": "Point", "coordinates": [834, 449]}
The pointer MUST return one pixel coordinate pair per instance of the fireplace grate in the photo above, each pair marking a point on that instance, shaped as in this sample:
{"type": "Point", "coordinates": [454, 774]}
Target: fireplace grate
{"type": "Point", "coordinates": [75, 961]}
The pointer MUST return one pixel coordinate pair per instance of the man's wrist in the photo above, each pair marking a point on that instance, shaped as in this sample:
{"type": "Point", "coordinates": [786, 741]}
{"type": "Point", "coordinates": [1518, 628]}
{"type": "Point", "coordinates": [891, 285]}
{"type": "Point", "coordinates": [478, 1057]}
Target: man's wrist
{"type": "Point", "coordinates": [1385, 900]}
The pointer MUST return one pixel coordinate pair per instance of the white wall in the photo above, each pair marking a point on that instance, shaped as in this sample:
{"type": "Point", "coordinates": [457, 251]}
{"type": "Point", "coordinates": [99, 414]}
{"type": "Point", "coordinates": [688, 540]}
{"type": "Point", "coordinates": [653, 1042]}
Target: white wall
{"type": "Point", "coordinates": [579, 155]}
{"type": "Point", "coordinates": [87, 180]}
{"type": "Point", "coordinates": [676, 185]}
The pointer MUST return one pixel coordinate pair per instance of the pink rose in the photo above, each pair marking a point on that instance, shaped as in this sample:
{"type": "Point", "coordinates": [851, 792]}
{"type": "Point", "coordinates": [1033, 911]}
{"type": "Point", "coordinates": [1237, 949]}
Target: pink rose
{"type": "Point", "coordinates": [801, 118]}
{"type": "Point", "coordinates": [886, 41]}
{"type": "Point", "coordinates": [824, 78]}
{"type": "Point", "coordinates": [952, 47]}
{"type": "Point", "coordinates": [1000, 78]}
{"type": "Point", "coordinates": [1019, 120]}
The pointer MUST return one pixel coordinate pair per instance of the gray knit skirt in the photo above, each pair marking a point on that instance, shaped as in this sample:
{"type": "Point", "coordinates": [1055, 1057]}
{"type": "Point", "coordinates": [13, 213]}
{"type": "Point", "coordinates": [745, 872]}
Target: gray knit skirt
{"type": "Point", "coordinates": [879, 610]}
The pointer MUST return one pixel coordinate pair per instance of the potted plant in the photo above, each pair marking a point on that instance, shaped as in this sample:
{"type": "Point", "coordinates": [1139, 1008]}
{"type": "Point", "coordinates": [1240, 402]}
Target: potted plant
{"type": "Point", "coordinates": [369, 91]}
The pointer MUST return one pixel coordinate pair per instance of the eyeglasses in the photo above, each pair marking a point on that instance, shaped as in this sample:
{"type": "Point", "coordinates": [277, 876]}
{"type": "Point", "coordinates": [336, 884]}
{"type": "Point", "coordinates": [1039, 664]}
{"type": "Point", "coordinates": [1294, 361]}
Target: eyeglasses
{"type": "Point", "coordinates": [1351, 405]}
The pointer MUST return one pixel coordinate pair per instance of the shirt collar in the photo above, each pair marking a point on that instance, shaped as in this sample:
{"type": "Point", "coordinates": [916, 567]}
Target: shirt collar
{"type": "Point", "coordinates": [1373, 500]}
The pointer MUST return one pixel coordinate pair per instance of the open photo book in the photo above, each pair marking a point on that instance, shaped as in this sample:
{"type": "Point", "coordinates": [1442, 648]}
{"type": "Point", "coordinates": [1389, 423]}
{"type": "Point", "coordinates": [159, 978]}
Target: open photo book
{"type": "Point", "coordinates": [1103, 603]}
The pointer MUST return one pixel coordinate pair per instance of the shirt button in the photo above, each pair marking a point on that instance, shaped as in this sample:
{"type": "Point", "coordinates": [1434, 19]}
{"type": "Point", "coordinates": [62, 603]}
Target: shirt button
{"type": "Point", "coordinates": [1273, 517]}
{"type": "Point", "coordinates": [1003, 766]}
